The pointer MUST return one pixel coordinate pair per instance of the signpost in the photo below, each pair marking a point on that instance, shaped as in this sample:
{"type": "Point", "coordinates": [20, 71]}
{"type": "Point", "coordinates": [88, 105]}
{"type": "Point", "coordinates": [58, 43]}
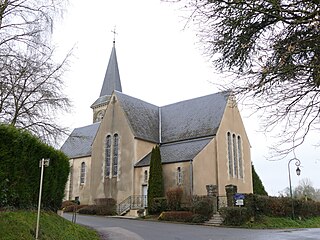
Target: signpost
{"type": "Point", "coordinates": [43, 163]}
{"type": "Point", "coordinates": [239, 199]}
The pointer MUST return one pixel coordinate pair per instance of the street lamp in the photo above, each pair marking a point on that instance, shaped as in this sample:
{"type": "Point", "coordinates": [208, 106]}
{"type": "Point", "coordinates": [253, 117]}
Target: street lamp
{"type": "Point", "coordinates": [42, 163]}
{"type": "Point", "coordinates": [298, 172]}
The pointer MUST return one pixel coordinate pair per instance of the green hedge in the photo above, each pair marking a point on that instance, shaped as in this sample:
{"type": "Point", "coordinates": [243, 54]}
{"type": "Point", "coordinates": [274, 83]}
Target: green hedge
{"type": "Point", "coordinates": [280, 206]}
{"type": "Point", "coordinates": [235, 216]}
{"type": "Point", "coordinates": [20, 153]}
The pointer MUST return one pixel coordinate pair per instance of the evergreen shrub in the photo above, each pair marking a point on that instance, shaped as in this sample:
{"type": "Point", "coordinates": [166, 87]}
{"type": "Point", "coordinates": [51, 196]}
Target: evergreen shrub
{"type": "Point", "coordinates": [235, 216]}
{"type": "Point", "coordinates": [158, 205]}
{"type": "Point", "coordinates": [102, 210]}
{"type": "Point", "coordinates": [20, 153]}
{"type": "Point", "coordinates": [280, 206]}
{"type": "Point", "coordinates": [155, 183]}
{"type": "Point", "coordinates": [202, 205]}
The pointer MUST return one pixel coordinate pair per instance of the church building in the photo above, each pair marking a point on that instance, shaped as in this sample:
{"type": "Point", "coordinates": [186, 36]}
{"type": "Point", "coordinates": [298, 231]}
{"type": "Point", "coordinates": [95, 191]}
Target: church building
{"type": "Point", "coordinates": [202, 142]}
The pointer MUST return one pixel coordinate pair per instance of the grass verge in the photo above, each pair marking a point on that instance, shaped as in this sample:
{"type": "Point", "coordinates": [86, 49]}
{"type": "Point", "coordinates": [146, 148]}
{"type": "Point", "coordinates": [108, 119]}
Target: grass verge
{"type": "Point", "coordinates": [277, 222]}
{"type": "Point", "coordinates": [22, 225]}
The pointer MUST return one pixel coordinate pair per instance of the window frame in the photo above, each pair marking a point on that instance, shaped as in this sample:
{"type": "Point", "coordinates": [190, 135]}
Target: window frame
{"type": "Point", "coordinates": [108, 156]}
{"type": "Point", "coordinates": [115, 158]}
{"type": "Point", "coordinates": [82, 173]}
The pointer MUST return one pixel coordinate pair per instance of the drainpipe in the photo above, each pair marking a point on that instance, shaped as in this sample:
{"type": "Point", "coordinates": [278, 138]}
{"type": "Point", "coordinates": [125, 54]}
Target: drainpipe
{"type": "Point", "coordinates": [191, 178]}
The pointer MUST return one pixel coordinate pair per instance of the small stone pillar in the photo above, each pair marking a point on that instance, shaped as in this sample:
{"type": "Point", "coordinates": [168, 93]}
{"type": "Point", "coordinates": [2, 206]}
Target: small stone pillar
{"type": "Point", "coordinates": [231, 190]}
{"type": "Point", "coordinates": [212, 192]}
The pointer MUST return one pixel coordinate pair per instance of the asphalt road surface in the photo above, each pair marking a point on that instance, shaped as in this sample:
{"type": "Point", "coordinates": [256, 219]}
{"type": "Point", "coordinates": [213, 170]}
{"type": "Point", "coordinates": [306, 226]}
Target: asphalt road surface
{"type": "Point", "coordinates": [128, 229]}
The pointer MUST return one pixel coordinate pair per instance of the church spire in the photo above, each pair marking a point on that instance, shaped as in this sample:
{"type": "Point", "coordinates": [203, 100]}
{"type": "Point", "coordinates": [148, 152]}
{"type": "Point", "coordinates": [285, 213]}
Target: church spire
{"type": "Point", "coordinates": [111, 82]}
{"type": "Point", "coordinates": [112, 77]}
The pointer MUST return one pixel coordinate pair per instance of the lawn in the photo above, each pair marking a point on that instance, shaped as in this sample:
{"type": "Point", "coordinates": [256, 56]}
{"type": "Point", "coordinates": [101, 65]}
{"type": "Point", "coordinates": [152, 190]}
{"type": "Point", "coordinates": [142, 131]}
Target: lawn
{"type": "Point", "coordinates": [22, 224]}
{"type": "Point", "coordinates": [278, 222]}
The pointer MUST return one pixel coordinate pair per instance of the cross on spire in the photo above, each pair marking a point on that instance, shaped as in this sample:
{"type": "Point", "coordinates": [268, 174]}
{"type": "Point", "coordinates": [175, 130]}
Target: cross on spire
{"type": "Point", "coordinates": [114, 34]}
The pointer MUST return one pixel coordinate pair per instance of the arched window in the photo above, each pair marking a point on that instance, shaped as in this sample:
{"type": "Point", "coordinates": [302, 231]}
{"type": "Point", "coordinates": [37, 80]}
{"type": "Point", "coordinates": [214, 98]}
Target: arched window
{"type": "Point", "coordinates": [115, 154]}
{"type": "Point", "coordinates": [235, 159]}
{"type": "Point", "coordinates": [230, 154]}
{"type": "Point", "coordinates": [240, 157]}
{"type": "Point", "coordinates": [83, 173]}
{"type": "Point", "coordinates": [108, 156]}
{"type": "Point", "coordinates": [179, 176]}
{"type": "Point", "coordinates": [145, 176]}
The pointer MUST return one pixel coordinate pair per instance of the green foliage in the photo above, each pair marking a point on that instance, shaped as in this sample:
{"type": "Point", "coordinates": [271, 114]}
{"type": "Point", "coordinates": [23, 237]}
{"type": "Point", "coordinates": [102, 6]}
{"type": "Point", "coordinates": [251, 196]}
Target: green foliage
{"type": "Point", "coordinates": [174, 198]}
{"type": "Point", "coordinates": [178, 216]}
{"type": "Point", "coordinates": [158, 205]}
{"type": "Point", "coordinates": [102, 210]}
{"type": "Point", "coordinates": [155, 184]}
{"type": "Point", "coordinates": [283, 222]}
{"type": "Point", "coordinates": [202, 206]}
{"type": "Point", "coordinates": [20, 153]}
{"type": "Point", "coordinates": [235, 216]}
{"type": "Point", "coordinates": [258, 187]}
{"type": "Point", "coordinates": [21, 225]}
{"type": "Point", "coordinates": [103, 206]}
{"type": "Point", "coordinates": [281, 206]}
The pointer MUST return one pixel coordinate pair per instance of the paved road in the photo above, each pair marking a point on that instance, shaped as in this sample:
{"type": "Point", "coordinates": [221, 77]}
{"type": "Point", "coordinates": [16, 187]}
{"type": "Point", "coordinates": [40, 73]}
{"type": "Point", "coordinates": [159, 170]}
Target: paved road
{"type": "Point", "coordinates": [128, 229]}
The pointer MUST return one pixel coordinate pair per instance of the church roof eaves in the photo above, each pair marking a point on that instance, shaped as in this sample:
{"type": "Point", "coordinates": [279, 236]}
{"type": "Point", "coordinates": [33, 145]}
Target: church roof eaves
{"type": "Point", "coordinates": [194, 118]}
{"type": "Point", "coordinates": [78, 144]}
{"type": "Point", "coordinates": [177, 152]}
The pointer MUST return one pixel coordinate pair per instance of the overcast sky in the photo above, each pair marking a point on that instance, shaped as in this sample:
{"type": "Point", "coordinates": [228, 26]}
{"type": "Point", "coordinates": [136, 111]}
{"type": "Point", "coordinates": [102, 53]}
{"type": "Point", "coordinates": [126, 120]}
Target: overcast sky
{"type": "Point", "coordinates": [159, 62]}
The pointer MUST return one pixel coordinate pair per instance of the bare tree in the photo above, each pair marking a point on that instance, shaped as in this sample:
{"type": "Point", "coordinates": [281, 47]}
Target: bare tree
{"type": "Point", "coordinates": [30, 79]}
{"type": "Point", "coordinates": [304, 190]}
{"type": "Point", "coordinates": [272, 50]}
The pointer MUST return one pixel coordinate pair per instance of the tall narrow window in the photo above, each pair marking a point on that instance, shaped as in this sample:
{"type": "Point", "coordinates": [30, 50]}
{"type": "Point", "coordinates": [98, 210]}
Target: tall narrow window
{"type": "Point", "coordinates": [108, 156]}
{"type": "Point", "coordinates": [235, 159]}
{"type": "Point", "coordinates": [115, 154]}
{"type": "Point", "coordinates": [230, 154]}
{"type": "Point", "coordinates": [145, 176]}
{"type": "Point", "coordinates": [240, 157]}
{"type": "Point", "coordinates": [179, 176]}
{"type": "Point", "coordinates": [83, 173]}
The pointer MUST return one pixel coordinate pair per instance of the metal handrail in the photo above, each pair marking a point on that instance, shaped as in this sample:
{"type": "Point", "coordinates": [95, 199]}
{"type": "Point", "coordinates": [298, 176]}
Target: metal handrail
{"type": "Point", "coordinates": [132, 202]}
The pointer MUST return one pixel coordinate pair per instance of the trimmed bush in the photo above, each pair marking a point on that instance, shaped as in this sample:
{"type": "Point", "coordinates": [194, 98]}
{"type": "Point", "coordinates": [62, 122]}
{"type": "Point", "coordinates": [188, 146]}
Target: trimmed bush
{"type": "Point", "coordinates": [174, 198]}
{"type": "Point", "coordinates": [158, 205]}
{"type": "Point", "coordinates": [177, 216]}
{"type": "Point", "coordinates": [280, 206]}
{"type": "Point", "coordinates": [20, 153]}
{"type": "Point", "coordinates": [198, 218]}
{"type": "Point", "coordinates": [97, 210]}
{"type": "Point", "coordinates": [235, 216]}
{"type": "Point", "coordinates": [202, 205]}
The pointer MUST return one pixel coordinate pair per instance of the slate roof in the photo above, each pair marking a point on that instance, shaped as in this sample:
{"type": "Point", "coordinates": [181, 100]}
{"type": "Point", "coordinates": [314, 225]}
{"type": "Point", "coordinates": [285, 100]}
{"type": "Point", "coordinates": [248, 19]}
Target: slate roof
{"type": "Point", "coordinates": [177, 152]}
{"type": "Point", "coordinates": [80, 140]}
{"type": "Point", "coordinates": [143, 117]}
{"type": "Point", "coordinates": [194, 118]}
{"type": "Point", "coordinates": [191, 119]}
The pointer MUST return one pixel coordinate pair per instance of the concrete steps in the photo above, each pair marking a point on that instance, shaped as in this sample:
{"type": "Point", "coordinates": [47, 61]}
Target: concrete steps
{"type": "Point", "coordinates": [216, 220]}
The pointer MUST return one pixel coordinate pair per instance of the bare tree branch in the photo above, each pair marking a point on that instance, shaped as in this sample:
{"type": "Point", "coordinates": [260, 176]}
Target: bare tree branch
{"type": "Point", "coordinates": [272, 48]}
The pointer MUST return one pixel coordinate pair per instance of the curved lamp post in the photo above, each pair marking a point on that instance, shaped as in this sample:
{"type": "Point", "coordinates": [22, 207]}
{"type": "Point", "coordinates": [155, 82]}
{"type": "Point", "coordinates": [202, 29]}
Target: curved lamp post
{"type": "Point", "coordinates": [298, 171]}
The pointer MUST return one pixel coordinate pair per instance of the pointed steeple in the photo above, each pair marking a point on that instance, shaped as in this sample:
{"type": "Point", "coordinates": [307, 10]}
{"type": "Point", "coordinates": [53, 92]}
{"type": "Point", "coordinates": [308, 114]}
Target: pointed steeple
{"type": "Point", "coordinates": [111, 80]}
